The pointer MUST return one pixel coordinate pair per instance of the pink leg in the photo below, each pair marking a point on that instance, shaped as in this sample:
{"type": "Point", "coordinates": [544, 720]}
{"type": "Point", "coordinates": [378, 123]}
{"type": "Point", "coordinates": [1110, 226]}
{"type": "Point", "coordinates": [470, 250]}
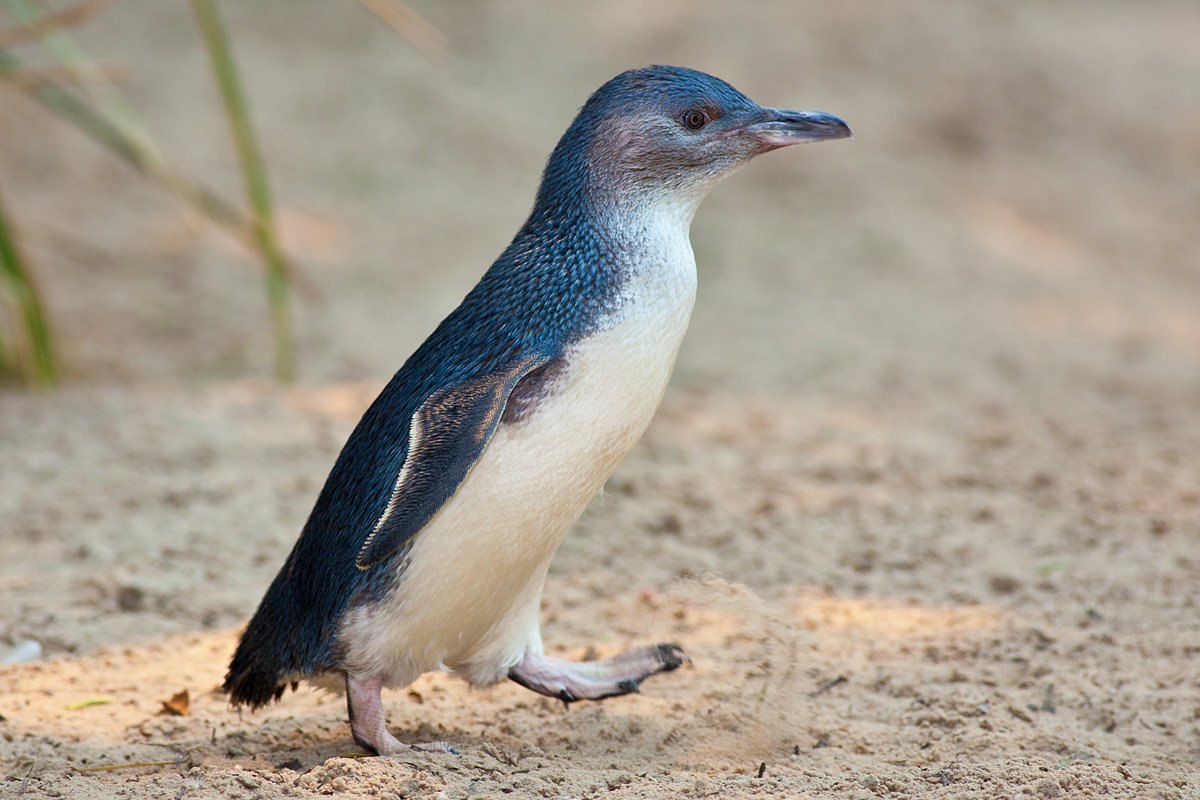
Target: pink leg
{"type": "Point", "coordinates": [368, 724]}
{"type": "Point", "coordinates": [596, 680]}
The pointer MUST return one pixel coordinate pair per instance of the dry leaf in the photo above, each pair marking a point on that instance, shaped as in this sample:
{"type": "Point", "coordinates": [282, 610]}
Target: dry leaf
{"type": "Point", "coordinates": [177, 705]}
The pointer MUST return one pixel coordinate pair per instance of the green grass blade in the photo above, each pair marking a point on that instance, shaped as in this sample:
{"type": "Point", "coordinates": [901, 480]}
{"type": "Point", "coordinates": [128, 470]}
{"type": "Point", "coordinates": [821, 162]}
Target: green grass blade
{"type": "Point", "coordinates": [254, 175]}
{"type": "Point", "coordinates": [111, 102]}
{"type": "Point", "coordinates": [104, 132]}
{"type": "Point", "coordinates": [43, 368]}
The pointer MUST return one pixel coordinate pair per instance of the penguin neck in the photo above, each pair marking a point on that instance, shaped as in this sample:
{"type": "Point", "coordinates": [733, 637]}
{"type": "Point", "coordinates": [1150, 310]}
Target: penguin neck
{"type": "Point", "coordinates": [586, 188]}
{"type": "Point", "coordinates": [623, 226]}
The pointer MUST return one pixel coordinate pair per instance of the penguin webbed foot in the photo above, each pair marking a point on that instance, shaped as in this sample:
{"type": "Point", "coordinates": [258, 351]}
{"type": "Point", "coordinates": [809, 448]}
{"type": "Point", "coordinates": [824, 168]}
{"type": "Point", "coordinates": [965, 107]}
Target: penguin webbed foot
{"type": "Point", "coordinates": [368, 725]}
{"type": "Point", "coordinates": [596, 680]}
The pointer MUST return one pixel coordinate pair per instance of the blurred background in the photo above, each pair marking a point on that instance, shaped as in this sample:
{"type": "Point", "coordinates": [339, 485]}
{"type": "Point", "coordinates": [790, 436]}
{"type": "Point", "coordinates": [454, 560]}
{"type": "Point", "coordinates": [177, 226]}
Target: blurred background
{"type": "Point", "coordinates": [934, 424]}
{"type": "Point", "coordinates": [1024, 175]}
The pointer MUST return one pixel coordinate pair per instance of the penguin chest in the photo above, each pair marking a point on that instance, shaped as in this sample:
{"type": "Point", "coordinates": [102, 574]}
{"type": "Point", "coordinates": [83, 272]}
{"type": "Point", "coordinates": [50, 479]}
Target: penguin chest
{"type": "Point", "coordinates": [469, 590]}
{"type": "Point", "coordinates": [588, 418]}
{"type": "Point", "coordinates": [544, 466]}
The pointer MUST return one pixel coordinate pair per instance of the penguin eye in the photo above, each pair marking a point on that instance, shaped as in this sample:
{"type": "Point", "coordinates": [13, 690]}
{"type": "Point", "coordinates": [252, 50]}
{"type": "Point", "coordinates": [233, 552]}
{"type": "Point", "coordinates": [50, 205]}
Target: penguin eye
{"type": "Point", "coordinates": [694, 119]}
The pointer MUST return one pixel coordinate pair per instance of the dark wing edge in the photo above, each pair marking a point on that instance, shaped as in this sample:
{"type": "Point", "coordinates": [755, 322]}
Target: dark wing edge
{"type": "Point", "coordinates": [447, 436]}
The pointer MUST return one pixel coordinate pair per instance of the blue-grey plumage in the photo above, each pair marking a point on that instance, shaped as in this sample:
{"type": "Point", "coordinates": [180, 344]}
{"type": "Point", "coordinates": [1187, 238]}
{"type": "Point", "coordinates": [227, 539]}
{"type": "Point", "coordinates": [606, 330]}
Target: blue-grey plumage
{"type": "Point", "coordinates": [428, 546]}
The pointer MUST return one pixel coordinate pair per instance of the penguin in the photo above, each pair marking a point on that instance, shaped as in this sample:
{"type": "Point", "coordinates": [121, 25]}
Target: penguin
{"type": "Point", "coordinates": [427, 548]}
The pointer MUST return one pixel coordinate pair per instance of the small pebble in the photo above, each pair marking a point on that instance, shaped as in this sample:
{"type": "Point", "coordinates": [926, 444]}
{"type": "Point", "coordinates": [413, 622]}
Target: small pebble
{"type": "Point", "coordinates": [23, 652]}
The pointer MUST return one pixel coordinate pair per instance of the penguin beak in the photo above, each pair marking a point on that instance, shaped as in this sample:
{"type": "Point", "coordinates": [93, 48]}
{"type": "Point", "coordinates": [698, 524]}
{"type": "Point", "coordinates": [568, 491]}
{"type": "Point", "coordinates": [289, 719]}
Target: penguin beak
{"type": "Point", "coordinates": [782, 128]}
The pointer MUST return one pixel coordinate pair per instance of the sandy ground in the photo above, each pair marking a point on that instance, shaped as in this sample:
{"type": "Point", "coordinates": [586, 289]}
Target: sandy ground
{"type": "Point", "coordinates": [923, 502]}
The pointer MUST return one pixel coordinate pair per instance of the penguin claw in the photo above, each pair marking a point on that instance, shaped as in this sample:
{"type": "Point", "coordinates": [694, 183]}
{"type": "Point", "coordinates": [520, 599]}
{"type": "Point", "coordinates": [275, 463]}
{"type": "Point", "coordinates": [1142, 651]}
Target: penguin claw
{"type": "Point", "coordinates": [436, 747]}
{"type": "Point", "coordinates": [672, 656]}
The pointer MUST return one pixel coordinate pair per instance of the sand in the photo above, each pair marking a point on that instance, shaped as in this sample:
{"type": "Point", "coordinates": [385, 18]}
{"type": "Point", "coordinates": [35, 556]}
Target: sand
{"type": "Point", "coordinates": [922, 502]}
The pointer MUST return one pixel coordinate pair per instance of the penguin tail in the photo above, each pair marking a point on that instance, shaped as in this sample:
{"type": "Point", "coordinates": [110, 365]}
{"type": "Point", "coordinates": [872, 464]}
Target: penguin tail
{"type": "Point", "coordinates": [250, 686]}
{"type": "Point", "coordinates": [272, 653]}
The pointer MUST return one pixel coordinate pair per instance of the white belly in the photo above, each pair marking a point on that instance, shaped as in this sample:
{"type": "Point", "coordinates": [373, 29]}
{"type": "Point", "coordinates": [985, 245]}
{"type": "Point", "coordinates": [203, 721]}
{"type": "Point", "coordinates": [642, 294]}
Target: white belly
{"type": "Point", "coordinates": [469, 595]}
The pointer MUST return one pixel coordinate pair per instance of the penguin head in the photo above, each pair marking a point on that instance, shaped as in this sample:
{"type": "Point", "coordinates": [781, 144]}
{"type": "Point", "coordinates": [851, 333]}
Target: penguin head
{"type": "Point", "coordinates": [671, 133]}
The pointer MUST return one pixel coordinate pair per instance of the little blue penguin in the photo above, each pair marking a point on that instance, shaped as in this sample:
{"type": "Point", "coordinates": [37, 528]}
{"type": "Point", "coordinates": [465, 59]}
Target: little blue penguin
{"type": "Point", "coordinates": [429, 543]}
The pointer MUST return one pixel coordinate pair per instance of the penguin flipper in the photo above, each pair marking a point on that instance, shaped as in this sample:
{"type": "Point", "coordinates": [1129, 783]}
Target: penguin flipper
{"type": "Point", "coordinates": [447, 435]}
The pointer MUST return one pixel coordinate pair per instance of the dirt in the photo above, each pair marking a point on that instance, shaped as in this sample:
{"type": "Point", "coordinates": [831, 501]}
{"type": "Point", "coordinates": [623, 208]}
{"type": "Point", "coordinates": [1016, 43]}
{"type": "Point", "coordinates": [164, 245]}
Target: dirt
{"type": "Point", "coordinates": [923, 500]}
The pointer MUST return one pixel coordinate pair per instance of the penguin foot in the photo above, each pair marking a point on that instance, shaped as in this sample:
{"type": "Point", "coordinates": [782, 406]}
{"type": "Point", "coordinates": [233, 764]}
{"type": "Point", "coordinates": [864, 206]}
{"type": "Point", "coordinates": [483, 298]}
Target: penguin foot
{"type": "Point", "coordinates": [595, 680]}
{"type": "Point", "coordinates": [369, 727]}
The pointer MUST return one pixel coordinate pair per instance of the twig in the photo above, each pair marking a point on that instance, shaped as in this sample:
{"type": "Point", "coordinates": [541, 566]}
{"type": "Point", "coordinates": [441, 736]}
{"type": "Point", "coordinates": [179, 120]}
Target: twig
{"type": "Point", "coordinates": [132, 765]}
{"type": "Point", "coordinates": [27, 79]}
{"type": "Point", "coordinates": [827, 685]}
{"type": "Point", "coordinates": [400, 17]}
{"type": "Point", "coordinates": [60, 44]}
{"type": "Point", "coordinates": [98, 127]}
{"type": "Point", "coordinates": [58, 20]}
